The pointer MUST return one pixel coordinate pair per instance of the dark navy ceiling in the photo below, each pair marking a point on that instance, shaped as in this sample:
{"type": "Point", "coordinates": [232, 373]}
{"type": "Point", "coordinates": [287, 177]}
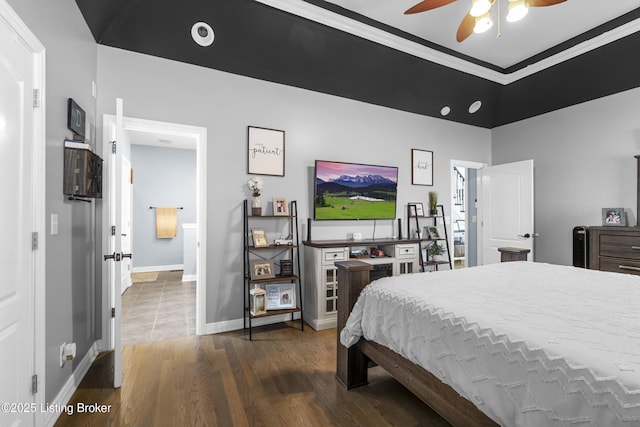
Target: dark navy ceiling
{"type": "Point", "coordinates": [255, 40]}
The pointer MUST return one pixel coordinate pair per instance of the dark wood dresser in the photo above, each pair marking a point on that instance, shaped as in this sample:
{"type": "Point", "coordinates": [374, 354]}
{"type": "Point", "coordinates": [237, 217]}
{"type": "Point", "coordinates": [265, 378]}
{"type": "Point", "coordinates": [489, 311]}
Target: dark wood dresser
{"type": "Point", "coordinates": [615, 249]}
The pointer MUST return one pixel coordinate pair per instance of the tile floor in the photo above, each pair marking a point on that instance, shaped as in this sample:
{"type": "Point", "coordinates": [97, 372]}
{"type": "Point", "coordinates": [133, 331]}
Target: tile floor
{"type": "Point", "coordinates": [160, 310]}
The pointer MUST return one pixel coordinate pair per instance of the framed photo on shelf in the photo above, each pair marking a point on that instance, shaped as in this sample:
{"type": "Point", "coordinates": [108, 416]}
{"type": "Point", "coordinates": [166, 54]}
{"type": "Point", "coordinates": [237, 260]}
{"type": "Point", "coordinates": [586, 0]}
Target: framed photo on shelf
{"type": "Point", "coordinates": [614, 217]}
{"type": "Point", "coordinates": [259, 238]}
{"type": "Point", "coordinates": [418, 210]}
{"type": "Point", "coordinates": [265, 154]}
{"type": "Point", "coordinates": [280, 207]}
{"type": "Point", "coordinates": [281, 296]}
{"type": "Point", "coordinates": [434, 234]}
{"type": "Point", "coordinates": [262, 269]}
{"type": "Point", "coordinates": [421, 167]}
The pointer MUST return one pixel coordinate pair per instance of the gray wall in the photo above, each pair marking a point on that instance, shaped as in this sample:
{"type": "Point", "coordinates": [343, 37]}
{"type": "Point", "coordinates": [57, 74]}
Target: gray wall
{"type": "Point", "coordinates": [70, 277]}
{"type": "Point", "coordinates": [162, 177]}
{"type": "Point", "coordinates": [583, 161]}
{"type": "Point", "coordinates": [317, 126]}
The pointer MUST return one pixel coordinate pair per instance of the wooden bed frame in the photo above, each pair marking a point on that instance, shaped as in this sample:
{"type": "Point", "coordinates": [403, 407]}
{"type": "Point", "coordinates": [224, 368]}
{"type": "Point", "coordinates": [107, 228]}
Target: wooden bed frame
{"type": "Point", "coordinates": [352, 363]}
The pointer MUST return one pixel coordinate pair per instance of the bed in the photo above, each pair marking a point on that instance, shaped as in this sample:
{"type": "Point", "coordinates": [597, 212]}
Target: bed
{"type": "Point", "coordinates": [513, 344]}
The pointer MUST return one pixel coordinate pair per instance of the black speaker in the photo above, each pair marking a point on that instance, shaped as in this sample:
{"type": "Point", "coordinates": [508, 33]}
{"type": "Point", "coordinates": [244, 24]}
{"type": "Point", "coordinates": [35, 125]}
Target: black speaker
{"type": "Point", "coordinates": [399, 228]}
{"type": "Point", "coordinates": [308, 229]}
{"type": "Point", "coordinates": [581, 247]}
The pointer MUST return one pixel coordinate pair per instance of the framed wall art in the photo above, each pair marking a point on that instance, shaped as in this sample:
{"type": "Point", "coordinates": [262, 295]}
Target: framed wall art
{"type": "Point", "coordinates": [416, 209]}
{"type": "Point", "coordinates": [421, 167]}
{"type": "Point", "coordinates": [265, 151]}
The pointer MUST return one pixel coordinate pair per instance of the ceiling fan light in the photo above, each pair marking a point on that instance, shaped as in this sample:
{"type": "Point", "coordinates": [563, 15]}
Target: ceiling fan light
{"type": "Point", "coordinates": [483, 23]}
{"type": "Point", "coordinates": [517, 10]}
{"type": "Point", "coordinates": [479, 7]}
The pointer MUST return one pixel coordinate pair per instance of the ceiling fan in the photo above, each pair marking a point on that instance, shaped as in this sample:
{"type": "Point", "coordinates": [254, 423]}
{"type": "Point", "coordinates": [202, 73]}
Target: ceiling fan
{"type": "Point", "coordinates": [478, 20]}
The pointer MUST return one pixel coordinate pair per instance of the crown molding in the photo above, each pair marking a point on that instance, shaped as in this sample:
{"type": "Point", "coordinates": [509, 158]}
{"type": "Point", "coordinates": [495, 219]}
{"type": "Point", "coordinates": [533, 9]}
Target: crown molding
{"type": "Point", "coordinates": [356, 28]}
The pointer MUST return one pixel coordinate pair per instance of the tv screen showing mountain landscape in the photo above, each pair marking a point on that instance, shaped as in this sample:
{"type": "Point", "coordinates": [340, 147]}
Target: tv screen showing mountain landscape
{"type": "Point", "coordinates": [355, 191]}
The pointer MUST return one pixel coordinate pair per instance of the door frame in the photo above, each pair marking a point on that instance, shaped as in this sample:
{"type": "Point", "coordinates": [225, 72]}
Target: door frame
{"type": "Point", "coordinates": [468, 165]}
{"type": "Point", "coordinates": [200, 135]}
{"type": "Point", "coordinates": [38, 202]}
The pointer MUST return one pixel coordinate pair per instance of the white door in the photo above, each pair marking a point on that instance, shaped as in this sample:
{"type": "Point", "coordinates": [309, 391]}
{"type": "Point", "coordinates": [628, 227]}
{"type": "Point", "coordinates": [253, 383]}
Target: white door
{"type": "Point", "coordinates": [505, 207]}
{"type": "Point", "coordinates": [17, 259]}
{"type": "Point", "coordinates": [114, 255]}
{"type": "Point", "coordinates": [126, 224]}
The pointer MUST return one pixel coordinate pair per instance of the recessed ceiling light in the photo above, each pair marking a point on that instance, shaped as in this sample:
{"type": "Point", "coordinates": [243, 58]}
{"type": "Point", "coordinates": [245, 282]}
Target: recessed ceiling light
{"type": "Point", "coordinates": [445, 110]}
{"type": "Point", "coordinates": [202, 33]}
{"type": "Point", "coordinates": [475, 106]}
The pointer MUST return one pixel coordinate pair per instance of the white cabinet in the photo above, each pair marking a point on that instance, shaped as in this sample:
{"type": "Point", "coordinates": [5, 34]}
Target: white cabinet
{"type": "Point", "coordinates": [321, 285]}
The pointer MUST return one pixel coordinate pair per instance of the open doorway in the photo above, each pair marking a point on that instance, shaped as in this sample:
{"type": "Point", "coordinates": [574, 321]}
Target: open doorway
{"type": "Point", "coordinates": [464, 213]}
{"type": "Point", "coordinates": [178, 276]}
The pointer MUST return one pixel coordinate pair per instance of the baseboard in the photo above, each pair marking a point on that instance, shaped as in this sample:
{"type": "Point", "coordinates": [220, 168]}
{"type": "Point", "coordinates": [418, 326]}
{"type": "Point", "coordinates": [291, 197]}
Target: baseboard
{"type": "Point", "coordinates": [157, 268]}
{"type": "Point", "coordinates": [189, 277]}
{"type": "Point", "coordinates": [322, 324]}
{"type": "Point", "coordinates": [63, 397]}
{"type": "Point", "coordinates": [237, 324]}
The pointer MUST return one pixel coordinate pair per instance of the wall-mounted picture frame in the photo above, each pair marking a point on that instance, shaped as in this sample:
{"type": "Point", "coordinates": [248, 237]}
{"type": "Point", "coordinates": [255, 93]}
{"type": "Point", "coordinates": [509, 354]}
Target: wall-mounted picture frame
{"type": "Point", "coordinates": [262, 269]}
{"type": "Point", "coordinates": [614, 217]}
{"type": "Point", "coordinates": [259, 238]}
{"type": "Point", "coordinates": [421, 167]}
{"type": "Point", "coordinates": [280, 207]}
{"type": "Point", "coordinates": [416, 209]}
{"type": "Point", "coordinates": [265, 151]}
{"type": "Point", "coordinates": [281, 296]}
{"type": "Point", "coordinates": [75, 118]}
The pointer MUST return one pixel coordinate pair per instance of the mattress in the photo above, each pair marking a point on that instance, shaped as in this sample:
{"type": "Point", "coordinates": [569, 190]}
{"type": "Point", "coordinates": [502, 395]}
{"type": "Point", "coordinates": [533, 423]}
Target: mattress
{"type": "Point", "coordinates": [530, 344]}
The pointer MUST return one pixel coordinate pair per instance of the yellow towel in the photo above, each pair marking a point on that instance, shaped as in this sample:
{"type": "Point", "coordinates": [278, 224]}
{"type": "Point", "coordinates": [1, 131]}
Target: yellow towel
{"type": "Point", "coordinates": [166, 223]}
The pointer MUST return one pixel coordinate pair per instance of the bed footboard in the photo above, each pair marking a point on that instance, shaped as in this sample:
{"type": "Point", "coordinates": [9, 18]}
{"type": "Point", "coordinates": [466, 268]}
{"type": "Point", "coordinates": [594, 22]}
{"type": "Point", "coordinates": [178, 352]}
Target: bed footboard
{"type": "Point", "coordinates": [352, 363]}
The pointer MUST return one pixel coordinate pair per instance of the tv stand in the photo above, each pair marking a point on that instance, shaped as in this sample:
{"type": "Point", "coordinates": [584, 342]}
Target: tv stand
{"type": "Point", "coordinates": [402, 256]}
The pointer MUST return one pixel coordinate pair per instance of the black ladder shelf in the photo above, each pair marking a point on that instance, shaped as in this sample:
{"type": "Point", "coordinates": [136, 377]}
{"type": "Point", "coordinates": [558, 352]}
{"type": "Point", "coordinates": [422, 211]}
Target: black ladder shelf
{"type": "Point", "coordinates": [412, 211]}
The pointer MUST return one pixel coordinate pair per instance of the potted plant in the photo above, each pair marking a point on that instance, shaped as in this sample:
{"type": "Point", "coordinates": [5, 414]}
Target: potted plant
{"type": "Point", "coordinates": [256, 185]}
{"type": "Point", "coordinates": [433, 203]}
{"type": "Point", "coordinates": [436, 251]}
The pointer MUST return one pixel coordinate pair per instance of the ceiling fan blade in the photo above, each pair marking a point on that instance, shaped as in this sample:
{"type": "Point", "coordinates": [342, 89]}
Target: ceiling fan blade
{"type": "Point", "coordinates": [541, 3]}
{"type": "Point", "coordinates": [466, 28]}
{"type": "Point", "coordinates": [425, 5]}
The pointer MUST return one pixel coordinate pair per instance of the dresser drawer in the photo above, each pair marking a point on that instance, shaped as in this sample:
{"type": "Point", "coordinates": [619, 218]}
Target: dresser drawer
{"type": "Point", "coordinates": [612, 245]}
{"type": "Point", "coordinates": [406, 251]}
{"type": "Point", "coordinates": [620, 265]}
{"type": "Point", "coordinates": [333, 255]}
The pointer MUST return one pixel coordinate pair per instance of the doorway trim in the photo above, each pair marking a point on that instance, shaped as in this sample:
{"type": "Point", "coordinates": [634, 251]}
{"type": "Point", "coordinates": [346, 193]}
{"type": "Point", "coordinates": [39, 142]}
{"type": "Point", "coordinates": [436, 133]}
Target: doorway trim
{"type": "Point", "coordinates": [467, 165]}
{"type": "Point", "coordinates": [200, 135]}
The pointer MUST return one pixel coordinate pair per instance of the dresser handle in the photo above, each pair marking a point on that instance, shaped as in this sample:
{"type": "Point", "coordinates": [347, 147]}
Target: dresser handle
{"type": "Point", "coordinates": [635, 248]}
{"type": "Point", "coordinates": [627, 267]}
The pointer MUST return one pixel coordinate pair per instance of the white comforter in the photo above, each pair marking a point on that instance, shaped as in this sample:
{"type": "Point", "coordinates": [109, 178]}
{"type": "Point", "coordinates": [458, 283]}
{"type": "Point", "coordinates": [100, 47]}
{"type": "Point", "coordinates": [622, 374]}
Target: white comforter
{"type": "Point", "coordinates": [529, 344]}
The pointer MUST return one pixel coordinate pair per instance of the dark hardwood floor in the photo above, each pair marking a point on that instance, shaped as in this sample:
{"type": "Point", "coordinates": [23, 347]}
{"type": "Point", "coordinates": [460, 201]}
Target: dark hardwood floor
{"type": "Point", "coordinates": [284, 377]}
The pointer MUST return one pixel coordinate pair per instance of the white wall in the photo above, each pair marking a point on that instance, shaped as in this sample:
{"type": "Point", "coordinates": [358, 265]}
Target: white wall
{"type": "Point", "coordinates": [584, 161]}
{"type": "Point", "coordinates": [317, 126]}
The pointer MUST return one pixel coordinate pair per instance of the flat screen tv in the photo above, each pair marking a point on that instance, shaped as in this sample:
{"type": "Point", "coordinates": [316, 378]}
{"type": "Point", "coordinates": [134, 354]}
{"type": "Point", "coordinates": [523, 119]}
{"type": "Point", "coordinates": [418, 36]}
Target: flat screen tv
{"type": "Point", "coordinates": [354, 191]}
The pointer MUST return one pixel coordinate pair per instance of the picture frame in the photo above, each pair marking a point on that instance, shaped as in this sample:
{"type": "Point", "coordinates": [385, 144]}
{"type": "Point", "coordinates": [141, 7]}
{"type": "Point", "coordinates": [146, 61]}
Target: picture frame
{"type": "Point", "coordinates": [281, 296]}
{"type": "Point", "coordinates": [614, 217]}
{"type": "Point", "coordinates": [265, 154]}
{"type": "Point", "coordinates": [259, 238]}
{"type": "Point", "coordinates": [419, 210]}
{"type": "Point", "coordinates": [75, 118]}
{"type": "Point", "coordinates": [262, 269]}
{"type": "Point", "coordinates": [421, 167]}
{"type": "Point", "coordinates": [280, 207]}
{"type": "Point", "coordinates": [434, 234]}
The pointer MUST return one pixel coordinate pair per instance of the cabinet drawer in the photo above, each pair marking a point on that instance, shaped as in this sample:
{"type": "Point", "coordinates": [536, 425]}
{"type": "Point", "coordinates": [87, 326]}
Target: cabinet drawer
{"type": "Point", "coordinates": [612, 245]}
{"type": "Point", "coordinates": [620, 265]}
{"type": "Point", "coordinates": [333, 255]}
{"type": "Point", "coordinates": [406, 251]}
